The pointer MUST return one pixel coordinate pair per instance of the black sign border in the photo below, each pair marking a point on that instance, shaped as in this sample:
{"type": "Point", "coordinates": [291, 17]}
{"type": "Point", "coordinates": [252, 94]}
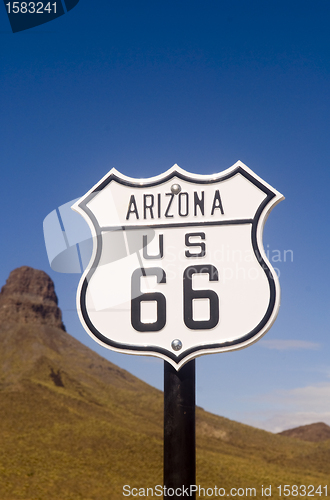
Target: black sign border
{"type": "Point", "coordinates": [254, 224]}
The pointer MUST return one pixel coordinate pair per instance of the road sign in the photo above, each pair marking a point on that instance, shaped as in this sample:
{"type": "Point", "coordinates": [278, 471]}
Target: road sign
{"type": "Point", "coordinates": [178, 266]}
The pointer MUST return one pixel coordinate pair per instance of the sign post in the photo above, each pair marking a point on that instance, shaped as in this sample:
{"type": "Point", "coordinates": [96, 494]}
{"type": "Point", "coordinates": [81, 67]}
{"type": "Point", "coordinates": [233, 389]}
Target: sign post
{"type": "Point", "coordinates": [183, 253]}
{"type": "Point", "coordinates": [179, 428]}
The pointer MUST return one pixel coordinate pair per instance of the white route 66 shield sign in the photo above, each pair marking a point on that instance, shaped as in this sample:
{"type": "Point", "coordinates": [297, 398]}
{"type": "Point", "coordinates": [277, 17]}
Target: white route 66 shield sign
{"type": "Point", "coordinates": [178, 267]}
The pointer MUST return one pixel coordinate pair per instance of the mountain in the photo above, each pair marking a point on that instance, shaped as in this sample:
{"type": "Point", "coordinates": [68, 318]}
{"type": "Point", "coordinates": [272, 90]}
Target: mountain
{"type": "Point", "coordinates": [75, 426]}
{"type": "Point", "coordinates": [313, 432]}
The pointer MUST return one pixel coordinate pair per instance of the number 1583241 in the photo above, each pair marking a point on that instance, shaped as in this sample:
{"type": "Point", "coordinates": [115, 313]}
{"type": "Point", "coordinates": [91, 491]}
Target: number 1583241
{"type": "Point", "coordinates": [302, 490]}
{"type": "Point", "coordinates": [30, 7]}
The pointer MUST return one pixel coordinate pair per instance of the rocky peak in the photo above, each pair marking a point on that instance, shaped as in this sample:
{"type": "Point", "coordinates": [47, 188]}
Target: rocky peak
{"type": "Point", "coordinates": [29, 297]}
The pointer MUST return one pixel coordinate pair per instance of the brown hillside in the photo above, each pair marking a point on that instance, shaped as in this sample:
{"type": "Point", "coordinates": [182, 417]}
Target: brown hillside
{"type": "Point", "coordinates": [314, 432]}
{"type": "Point", "coordinates": [29, 297]}
{"type": "Point", "coordinates": [75, 426]}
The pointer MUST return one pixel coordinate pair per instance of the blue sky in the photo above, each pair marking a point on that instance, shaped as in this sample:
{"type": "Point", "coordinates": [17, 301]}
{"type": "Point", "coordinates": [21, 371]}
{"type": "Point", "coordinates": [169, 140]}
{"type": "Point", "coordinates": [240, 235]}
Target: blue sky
{"type": "Point", "coordinates": [142, 85]}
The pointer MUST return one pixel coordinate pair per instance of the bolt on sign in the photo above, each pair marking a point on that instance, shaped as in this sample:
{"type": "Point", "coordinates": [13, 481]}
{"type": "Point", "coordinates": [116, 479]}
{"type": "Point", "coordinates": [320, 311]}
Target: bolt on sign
{"type": "Point", "coordinates": [178, 266]}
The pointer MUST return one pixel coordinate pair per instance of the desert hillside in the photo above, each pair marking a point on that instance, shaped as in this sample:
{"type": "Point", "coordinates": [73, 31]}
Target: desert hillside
{"type": "Point", "coordinates": [315, 433]}
{"type": "Point", "coordinates": [75, 426]}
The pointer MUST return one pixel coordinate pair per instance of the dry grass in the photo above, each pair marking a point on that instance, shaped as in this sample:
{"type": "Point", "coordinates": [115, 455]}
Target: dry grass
{"type": "Point", "coordinates": [74, 426]}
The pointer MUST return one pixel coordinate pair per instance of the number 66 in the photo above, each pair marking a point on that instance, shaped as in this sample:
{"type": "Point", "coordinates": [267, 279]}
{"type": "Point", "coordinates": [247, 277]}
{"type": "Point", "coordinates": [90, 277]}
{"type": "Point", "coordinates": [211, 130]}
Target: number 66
{"type": "Point", "coordinates": [189, 294]}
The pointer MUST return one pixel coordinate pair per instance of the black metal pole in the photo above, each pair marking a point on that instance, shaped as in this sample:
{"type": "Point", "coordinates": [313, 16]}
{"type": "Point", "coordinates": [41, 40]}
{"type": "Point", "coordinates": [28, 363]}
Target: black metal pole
{"type": "Point", "coordinates": [179, 430]}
